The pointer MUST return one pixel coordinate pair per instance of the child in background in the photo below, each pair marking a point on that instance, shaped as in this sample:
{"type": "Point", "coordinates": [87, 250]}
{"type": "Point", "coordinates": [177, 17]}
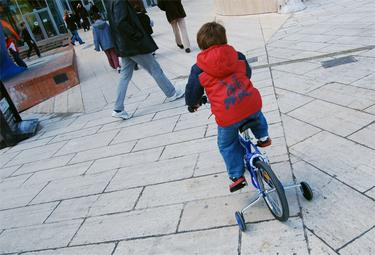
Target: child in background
{"type": "Point", "coordinates": [103, 41]}
{"type": "Point", "coordinates": [11, 46]}
{"type": "Point", "coordinates": [225, 75]}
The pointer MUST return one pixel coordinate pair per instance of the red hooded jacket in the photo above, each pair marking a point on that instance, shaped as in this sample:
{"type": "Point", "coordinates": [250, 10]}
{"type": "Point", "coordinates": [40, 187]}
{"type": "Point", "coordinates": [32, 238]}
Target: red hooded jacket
{"type": "Point", "coordinates": [230, 92]}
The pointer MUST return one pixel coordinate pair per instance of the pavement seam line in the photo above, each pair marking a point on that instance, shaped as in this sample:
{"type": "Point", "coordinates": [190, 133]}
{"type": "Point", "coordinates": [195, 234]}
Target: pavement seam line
{"type": "Point", "coordinates": [75, 234]}
{"type": "Point", "coordinates": [180, 218]}
{"type": "Point", "coordinates": [323, 241]}
{"type": "Point", "coordinates": [330, 132]}
{"type": "Point", "coordinates": [239, 247]}
{"type": "Point", "coordinates": [334, 177]}
{"type": "Point", "coordinates": [356, 238]}
{"type": "Point", "coordinates": [138, 198]}
{"type": "Point", "coordinates": [286, 144]}
{"type": "Point", "coordinates": [114, 249]}
{"type": "Point", "coordinates": [29, 203]}
{"type": "Point", "coordinates": [57, 205]}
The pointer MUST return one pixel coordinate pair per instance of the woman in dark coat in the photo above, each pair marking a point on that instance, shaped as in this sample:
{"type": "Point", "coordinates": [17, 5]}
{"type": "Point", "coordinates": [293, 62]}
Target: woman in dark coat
{"type": "Point", "coordinates": [176, 17]}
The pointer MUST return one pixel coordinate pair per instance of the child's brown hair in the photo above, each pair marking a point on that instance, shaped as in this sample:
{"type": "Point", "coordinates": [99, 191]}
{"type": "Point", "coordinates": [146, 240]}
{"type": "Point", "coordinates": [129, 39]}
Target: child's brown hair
{"type": "Point", "coordinates": [210, 34]}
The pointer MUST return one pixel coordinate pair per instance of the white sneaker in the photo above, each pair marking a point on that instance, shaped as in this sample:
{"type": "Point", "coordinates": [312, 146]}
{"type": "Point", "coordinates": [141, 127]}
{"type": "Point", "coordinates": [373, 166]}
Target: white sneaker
{"type": "Point", "coordinates": [178, 94]}
{"type": "Point", "coordinates": [123, 115]}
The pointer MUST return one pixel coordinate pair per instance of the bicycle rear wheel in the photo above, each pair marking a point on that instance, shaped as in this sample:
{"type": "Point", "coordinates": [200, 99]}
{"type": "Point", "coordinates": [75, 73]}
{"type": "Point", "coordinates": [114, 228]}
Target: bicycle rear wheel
{"type": "Point", "coordinates": [274, 194]}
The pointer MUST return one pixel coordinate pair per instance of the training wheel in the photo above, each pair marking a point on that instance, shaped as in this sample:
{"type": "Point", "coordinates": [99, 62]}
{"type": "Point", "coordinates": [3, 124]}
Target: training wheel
{"type": "Point", "coordinates": [306, 191]}
{"type": "Point", "coordinates": [240, 221]}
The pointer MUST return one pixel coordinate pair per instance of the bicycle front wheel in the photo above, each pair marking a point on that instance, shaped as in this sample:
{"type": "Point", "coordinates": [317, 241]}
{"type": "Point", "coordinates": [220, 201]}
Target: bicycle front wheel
{"type": "Point", "coordinates": [274, 194]}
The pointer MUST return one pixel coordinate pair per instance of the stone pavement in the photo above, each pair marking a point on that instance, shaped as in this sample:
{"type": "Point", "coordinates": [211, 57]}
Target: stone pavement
{"type": "Point", "coordinates": [155, 184]}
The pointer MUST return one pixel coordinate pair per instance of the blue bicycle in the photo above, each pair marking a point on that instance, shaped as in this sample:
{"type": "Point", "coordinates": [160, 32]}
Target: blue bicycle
{"type": "Point", "coordinates": [263, 178]}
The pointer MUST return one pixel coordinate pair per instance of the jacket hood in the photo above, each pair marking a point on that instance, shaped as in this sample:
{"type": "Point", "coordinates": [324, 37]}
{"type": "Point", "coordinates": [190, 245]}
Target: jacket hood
{"type": "Point", "coordinates": [99, 24]}
{"type": "Point", "coordinates": [218, 61]}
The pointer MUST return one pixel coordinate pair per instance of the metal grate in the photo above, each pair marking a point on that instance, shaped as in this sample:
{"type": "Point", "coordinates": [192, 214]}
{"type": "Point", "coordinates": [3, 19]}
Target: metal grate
{"type": "Point", "coordinates": [338, 61]}
{"type": "Point", "coordinates": [252, 60]}
{"type": "Point", "coordinates": [60, 78]}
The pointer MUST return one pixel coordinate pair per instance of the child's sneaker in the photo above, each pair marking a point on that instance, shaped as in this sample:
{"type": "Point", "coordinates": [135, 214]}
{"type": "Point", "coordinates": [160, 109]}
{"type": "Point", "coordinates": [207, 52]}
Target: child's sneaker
{"type": "Point", "coordinates": [238, 183]}
{"type": "Point", "coordinates": [264, 142]}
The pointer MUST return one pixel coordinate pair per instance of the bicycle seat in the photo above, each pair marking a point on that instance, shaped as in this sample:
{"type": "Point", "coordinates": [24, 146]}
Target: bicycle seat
{"type": "Point", "coordinates": [248, 124]}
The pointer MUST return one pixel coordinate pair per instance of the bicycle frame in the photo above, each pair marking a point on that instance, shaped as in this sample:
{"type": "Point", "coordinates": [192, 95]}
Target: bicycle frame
{"type": "Point", "coordinates": [251, 154]}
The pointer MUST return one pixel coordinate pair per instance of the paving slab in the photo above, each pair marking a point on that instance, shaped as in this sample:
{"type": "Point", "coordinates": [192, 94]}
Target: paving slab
{"type": "Point", "coordinates": [38, 237]}
{"type": "Point", "coordinates": [35, 154]}
{"type": "Point", "coordinates": [363, 245]}
{"type": "Point", "coordinates": [365, 136]}
{"type": "Point", "coordinates": [74, 187]}
{"type": "Point", "coordinates": [190, 147]}
{"type": "Point", "coordinates": [289, 100]}
{"type": "Point", "coordinates": [342, 94]}
{"type": "Point", "coordinates": [14, 182]}
{"type": "Point", "coordinates": [153, 173]}
{"type": "Point", "coordinates": [130, 159]}
{"type": "Point", "coordinates": [356, 170]}
{"type": "Point", "coordinates": [149, 222]}
{"type": "Point", "coordinates": [209, 163]}
{"type": "Point", "coordinates": [26, 216]}
{"type": "Point", "coordinates": [75, 134]}
{"type": "Point", "coordinates": [274, 238]}
{"type": "Point", "coordinates": [7, 171]}
{"type": "Point", "coordinates": [87, 143]}
{"type": "Point", "coordinates": [19, 196]}
{"type": "Point", "coordinates": [29, 145]}
{"type": "Point", "coordinates": [106, 203]}
{"type": "Point", "coordinates": [297, 131]}
{"type": "Point", "coordinates": [216, 241]}
{"type": "Point", "coordinates": [103, 152]}
{"type": "Point", "coordinates": [299, 83]}
{"type": "Point", "coordinates": [200, 118]}
{"type": "Point", "coordinates": [317, 246]}
{"type": "Point", "coordinates": [331, 117]}
{"type": "Point", "coordinates": [44, 164]}
{"type": "Point", "coordinates": [139, 131]}
{"type": "Point", "coordinates": [170, 138]}
{"type": "Point", "coordinates": [98, 249]}
{"type": "Point", "coordinates": [58, 173]}
{"type": "Point", "coordinates": [325, 213]}
{"type": "Point", "coordinates": [116, 125]}
{"type": "Point", "coordinates": [185, 190]}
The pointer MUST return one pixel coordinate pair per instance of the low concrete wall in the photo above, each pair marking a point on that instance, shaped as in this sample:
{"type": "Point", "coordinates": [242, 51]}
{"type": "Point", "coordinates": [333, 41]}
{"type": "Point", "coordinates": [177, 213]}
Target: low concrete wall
{"type": "Point", "coordinates": [246, 7]}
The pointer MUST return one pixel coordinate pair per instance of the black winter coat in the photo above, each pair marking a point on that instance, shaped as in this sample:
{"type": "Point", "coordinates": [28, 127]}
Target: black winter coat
{"type": "Point", "coordinates": [173, 9]}
{"type": "Point", "coordinates": [129, 36]}
{"type": "Point", "coordinates": [71, 23]}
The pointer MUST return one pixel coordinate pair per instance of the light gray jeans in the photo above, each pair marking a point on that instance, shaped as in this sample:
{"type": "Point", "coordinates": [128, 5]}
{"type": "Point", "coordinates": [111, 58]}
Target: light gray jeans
{"type": "Point", "coordinates": [148, 62]}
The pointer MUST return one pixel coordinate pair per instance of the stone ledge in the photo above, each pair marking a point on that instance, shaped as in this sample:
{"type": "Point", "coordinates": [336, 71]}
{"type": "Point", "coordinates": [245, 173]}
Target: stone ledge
{"type": "Point", "coordinates": [45, 78]}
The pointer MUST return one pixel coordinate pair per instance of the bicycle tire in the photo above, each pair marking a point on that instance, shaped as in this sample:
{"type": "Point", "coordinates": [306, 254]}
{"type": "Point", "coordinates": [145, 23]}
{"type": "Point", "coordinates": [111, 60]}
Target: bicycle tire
{"type": "Point", "coordinates": [269, 177]}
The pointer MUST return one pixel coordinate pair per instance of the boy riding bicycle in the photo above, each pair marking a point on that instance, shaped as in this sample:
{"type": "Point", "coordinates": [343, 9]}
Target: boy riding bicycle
{"type": "Point", "coordinates": [225, 75]}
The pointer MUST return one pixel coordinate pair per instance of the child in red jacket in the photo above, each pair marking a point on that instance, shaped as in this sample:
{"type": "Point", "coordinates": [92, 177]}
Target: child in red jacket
{"type": "Point", "coordinates": [225, 75]}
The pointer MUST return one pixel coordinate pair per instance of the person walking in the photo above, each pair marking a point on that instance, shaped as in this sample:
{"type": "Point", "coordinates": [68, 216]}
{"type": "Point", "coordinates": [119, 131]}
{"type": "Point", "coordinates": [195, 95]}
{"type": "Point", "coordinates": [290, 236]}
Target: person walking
{"type": "Point", "coordinates": [84, 15]}
{"type": "Point", "coordinates": [134, 45]}
{"type": "Point", "coordinates": [103, 41]}
{"type": "Point", "coordinates": [72, 27]}
{"type": "Point", "coordinates": [26, 37]}
{"type": "Point", "coordinates": [176, 17]}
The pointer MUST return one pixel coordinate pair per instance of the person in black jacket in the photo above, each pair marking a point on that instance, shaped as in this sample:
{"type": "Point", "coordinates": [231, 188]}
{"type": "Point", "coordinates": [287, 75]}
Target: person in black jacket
{"type": "Point", "coordinates": [72, 27]}
{"type": "Point", "coordinates": [176, 17]}
{"type": "Point", "coordinates": [29, 41]}
{"type": "Point", "coordinates": [84, 15]}
{"type": "Point", "coordinates": [134, 45]}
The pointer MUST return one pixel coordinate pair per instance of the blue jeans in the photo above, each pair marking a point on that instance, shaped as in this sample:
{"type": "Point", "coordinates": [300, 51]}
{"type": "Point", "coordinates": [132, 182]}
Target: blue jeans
{"type": "Point", "coordinates": [230, 147]}
{"type": "Point", "coordinates": [76, 37]}
{"type": "Point", "coordinates": [148, 62]}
